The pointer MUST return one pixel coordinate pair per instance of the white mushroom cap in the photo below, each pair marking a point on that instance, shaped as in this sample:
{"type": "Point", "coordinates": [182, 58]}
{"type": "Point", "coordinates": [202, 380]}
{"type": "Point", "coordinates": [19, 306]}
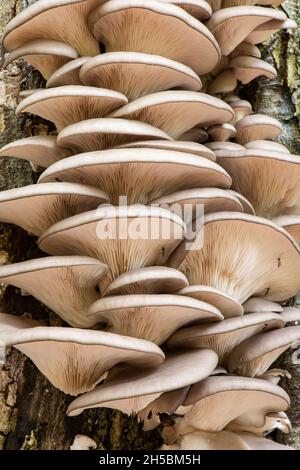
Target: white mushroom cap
{"type": "Point", "coordinates": [291, 315]}
{"type": "Point", "coordinates": [44, 55]}
{"type": "Point", "coordinates": [41, 150]}
{"type": "Point", "coordinates": [227, 305]}
{"type": "Point", "coordinates": [245, 48]}
{"type": "Point", "coordinates": [74, 360]}
{"type": "Point", "coordinates": [151, 280]}
{"type": "Point", "coordinates": [259, 304]}
{"type": "Point", "coordinates": [61, 20]}
{"type": "Point", "coordinates": [196, 134]}
{"type": "Point", "coordinates": [139, 174]}
{"type": "Point", "coordinates": [68, 74]}
{"type": "Point", "coordinates": [275, 375]}
{"type": "Point", "coordinates": [176, 111]}
{"type": "Point", "coordinates": [255, 355]}
{"type": "Point", "coordinates": [247, 206]}
{"type": "Point", "coordinates": [223, 146]}
{"type": "Point", "coordinates": [131, 392]}
{"type": "Point", "coordinates": [200, 9]}
{"type": "Point", "coordinates": [221, 132]}
{"type": "Point", "coordinates": [223, 337]}
{"type": "Point", "coordinates": [225, 82]}
{"type": "Point", "coordinates": [241, 109]}
{"type": "Point", "coordinates": [136, 74]}
{"type": "Point", "coordinates": [156, 27]}
{"type": "Point", "coordinates": [66, 105]}
{"type": "Point", "coordinates": [151, 316]}
{"type": "Point", "coordinates": [246, 68]}
{"type": "Point", "coordinates": [66, 284]}
{"type": "Point", "coordinates": [272, 422]}
{"type": "Point", "coordinates": [291, 223]}
{"type": "Point", "coordinates": [257, 127]}
{"type": "Point", "coordinates": [263, 31]}
{"type": "Point", "coordinates": [141, 240]}
{"type": "Point", "coordinates": [241, 255]}
{"type": "Point", "coordinates": [267, 145]}
{"type": "Point", "coordinates": [47, 204]}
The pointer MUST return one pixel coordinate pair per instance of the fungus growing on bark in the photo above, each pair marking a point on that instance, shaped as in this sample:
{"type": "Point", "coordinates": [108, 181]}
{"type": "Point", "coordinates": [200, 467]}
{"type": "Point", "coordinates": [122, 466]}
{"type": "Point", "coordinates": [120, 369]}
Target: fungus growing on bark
{"type": "Point", "coordinates": [257, 127]}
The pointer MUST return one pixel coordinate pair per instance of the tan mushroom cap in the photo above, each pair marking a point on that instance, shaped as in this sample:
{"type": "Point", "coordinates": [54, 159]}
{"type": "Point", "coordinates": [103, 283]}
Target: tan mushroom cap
{"type": "Point", "coordinates": [66, 284]}
{"type": "Point", "coordinates": [199, 9]}
{"type": "Point", "coordinates": [151, 280]}
{"type": "Point", "coordinates": [221, 132]}
{"type": "Point", "coordinates": [156, 27]}
{"type": "Point", "coordinates": [38, 206]}
{"type": "Point", "coordinates": [193, 148]}
{"type": "Point", "coordinates": [246, 68]}
{"type": "Point", "coordinates": [74, 360]}
{"type": "Point", "coordinates": [241, 109]}
{"type": "Point", "coordinates": [267, 145]}
{"type": "Point", "coordinates": [291, 315]}
{"type": "Point", "coordinates": [268, 179]}
{"type": "Point", "coordinates": [259, 304]}
{"type": "Point", "coordinates": [246, 48]}
{"type": "Point", "coordinates": [196, 134]}
{"type": "Point", "coordinates": [131, 392]}
{"type": "Point", "coordinates": [191, 203]}
{"type": "Point", "coordinates": [225, 82]}
{"type": "Point", "coordinates": [141, 175]}
{"type": "Point", "coordinates": [221, 399]}
{"type": "Point", "coordinates": [272, 422]}
{"type": "Point", "coordinates": [41, 150]}
{"type": "Point", "coordinates": [257, 257]}
{"type": "Point", "coordinates": [231, 26]}
{"type": "Point", "coordinates": [141, 239]}
{"type": "Point", "coordinates": [247, 206]}
{"type": "Point", "coordinates": [291, 223]}
{"type": "Point", "coordinates": [264, 31]}
{"type": "Point", "coordinates": [104, 133]}
{"type": "Point", "coordinates": [223, 337]}
{"type": "Point", "coordinates": [136, 74]}
{"type": "Point", "coordinates": [44, 55]}
{"type": "Point", "coordinates": [228, 306]}
{"type": "Point", "coordinates": [151, 316]}
{"type": "Point", "coordinates": [177, 111]}
{"type": "Point", "coordinates": [275, 375]}
{"type": "Point", "coordinates": [257, 127]}
{"type": "Point", "coordinates": [68, 74]}
{"type": "Point", "coordinates": [66, 105]}
{"type": "Point", "coordinates": [255, 355]}
{"type": "Point", "coordinates": [61, 20]}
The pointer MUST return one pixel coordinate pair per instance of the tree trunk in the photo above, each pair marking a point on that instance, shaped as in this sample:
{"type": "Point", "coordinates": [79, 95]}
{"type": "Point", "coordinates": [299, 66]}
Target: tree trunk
{"type": "Point", "coordinates": [32, 412]}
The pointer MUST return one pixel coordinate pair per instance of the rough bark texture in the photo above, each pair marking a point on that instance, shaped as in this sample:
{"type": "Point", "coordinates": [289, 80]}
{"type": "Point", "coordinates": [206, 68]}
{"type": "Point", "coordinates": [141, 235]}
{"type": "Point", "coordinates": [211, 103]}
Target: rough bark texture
{"type": "Point", "coordinates": [32, 412]}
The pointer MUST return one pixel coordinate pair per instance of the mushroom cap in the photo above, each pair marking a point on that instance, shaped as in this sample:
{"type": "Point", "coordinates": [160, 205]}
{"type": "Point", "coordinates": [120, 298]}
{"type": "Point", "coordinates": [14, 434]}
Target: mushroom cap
{"type": "Point", "coordinates": [199, 9]}
{"type": "Point", "coordinates": [47, 204]}
{"type": "Point", "coordinates": [291, 315]}
{"type": "Point", "coordinates": [221, 132]}
{"type": "Point", "coordinates": [227, 305]}
{"type": "Point", "coordinates": [275, 375]}
{"type": "Point", "coordinates": [44, 55]}
{"type": "Point", "coordinates": [146, 236]}
{"type": "Point", "coordinates": [247, 206]}
{"type": "Point", "coordinates": [66, 284]}
{"type": "Point", "coordinates": [246, 68]}
{"type": "Point", "coordinates": [42, 150]}
{"type": "Point", "coordinates": [74, 360]}
{"type": "Point", "coordinates": [246, 48]}
{"type": "Point", "coordinates": [223, 337]}
{"type": "Point", "coordinates": [67, 74]}
{"type": "Point", "coordinates": [151, 316]}
{"type": "Point", "coordinates": [257, 127]}
{"type": "Point", "coordinates": [261, 443]}
{"type": "Point", "coordinates": [267, 145]}
{"type": "Point", "coordinates": [268, 179]}
{"type": "Point", "coordinates": [156, 27]}
{"type": "Point", "coordinates": [257, 257]}
{"type": "Point", "coordinates": [176, 111]}
{"type": "Point", "coordinates": [196, 134]}
{"type": "Point", "coordinates": [255, 355]}
{"type": "Point", "coordinates": [136, 74]}
{"type": "Point", "coordinates": [150, 280]}
{"type": "Point", "coordinates": [66, 105]}
{"type": "Point", "coordinates": [103, 133]}
{"type": "Point", "coordinates": [178, 146]}
{"type": "Point", "coordinates": [241, 109]}
{"type": "Point", "coordinates": [69, 18]}
{"type": "Point", "coordinates": [218, 400]}
{"type": "Point", "coordinates": [120, 392]}
{"type": "Point", "coordinates": [141, 175]}
{"type": "Point", "coordinates": [259, 304]}
{"type": "Point", "coordinates": [193, 202]}
{"type": "Point", "coordinates": [225, 82]}
{"type": "Point", "coordinates": [272, 422]}
{"type": "Point", "coordinates": [231, 26]}
{"type": "Point", "coordinates": [291, 223]}
{"type": "Point", "coordinates": [223, 146]}
{"type": "Point", "coordinates": [265, 30]}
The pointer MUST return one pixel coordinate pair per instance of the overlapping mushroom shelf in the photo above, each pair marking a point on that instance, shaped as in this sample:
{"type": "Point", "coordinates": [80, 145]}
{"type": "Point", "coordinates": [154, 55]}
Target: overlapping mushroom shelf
{"type": "Point", "coordinates": [166, 315]}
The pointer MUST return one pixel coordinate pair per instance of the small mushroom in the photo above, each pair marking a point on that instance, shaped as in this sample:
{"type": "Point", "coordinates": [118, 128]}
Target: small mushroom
{"type": "Point", "coordinates": [196, 134]}
{"type": "Point", "coordinates": [199, 9]}
{"type": "Point", "coordinates": [66, 284]}
{"type": "Point", "coordinates": [223, 337]}
{"type": "Point", "coordinates": [265, 30]}
{"type": "Point", "coordinates": [291, 223]}
{"type": "Point", "coordinates": [246, 68]}
{"type": "Point", "coordinates": [267, 145]}
{"type": "Point", "coordinates": [133, 390]}
{"type": "Point", "coordinates": [247, 206]}
{"type": "Point", "coordinates": [47, 204]}
{"type": "Point", "coordinates": [44, 55]}
{"type": "Point", "coordinates": [223, 146]}
{"type": "Point", "coordinates": [257, 126]}
{"type": "Point", "coordinates": [225, 82]}
{"type": "Point", "coordinates": [259, 304]}
{"type": "Point", "coordinates": [68, 74]}
{"type": "Point", "coordinates": [75, 360]}
{"type": "Point", "coordinates": [275, 375]}
{"type": "Point", "coordinates": [245, 48]}
{"type": "Point", "coordinates": [272, 422]}
{"type": "Point", "coordinates": [221, 132]}
{"type": "Point", "coordinates": [176, 111]}
{"type": "Point", "coordinates": [136, 74]}
{"type": "Point", "coordinates": [156, 27]}
{"type": "Point", "coordinates": [66, 105]}
{"type": "Point", "coordinates": [291, 315]}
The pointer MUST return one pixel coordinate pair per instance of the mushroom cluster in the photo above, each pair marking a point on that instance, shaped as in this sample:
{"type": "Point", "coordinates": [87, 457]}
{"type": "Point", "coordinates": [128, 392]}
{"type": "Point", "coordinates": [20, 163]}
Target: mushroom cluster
{"type": "Point", "coordinates": [170, 311]}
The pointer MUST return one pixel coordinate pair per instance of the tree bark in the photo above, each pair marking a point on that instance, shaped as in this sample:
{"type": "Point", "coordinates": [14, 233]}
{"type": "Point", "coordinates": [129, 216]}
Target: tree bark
{"type": "Point", "coordinates": [32, 412]}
